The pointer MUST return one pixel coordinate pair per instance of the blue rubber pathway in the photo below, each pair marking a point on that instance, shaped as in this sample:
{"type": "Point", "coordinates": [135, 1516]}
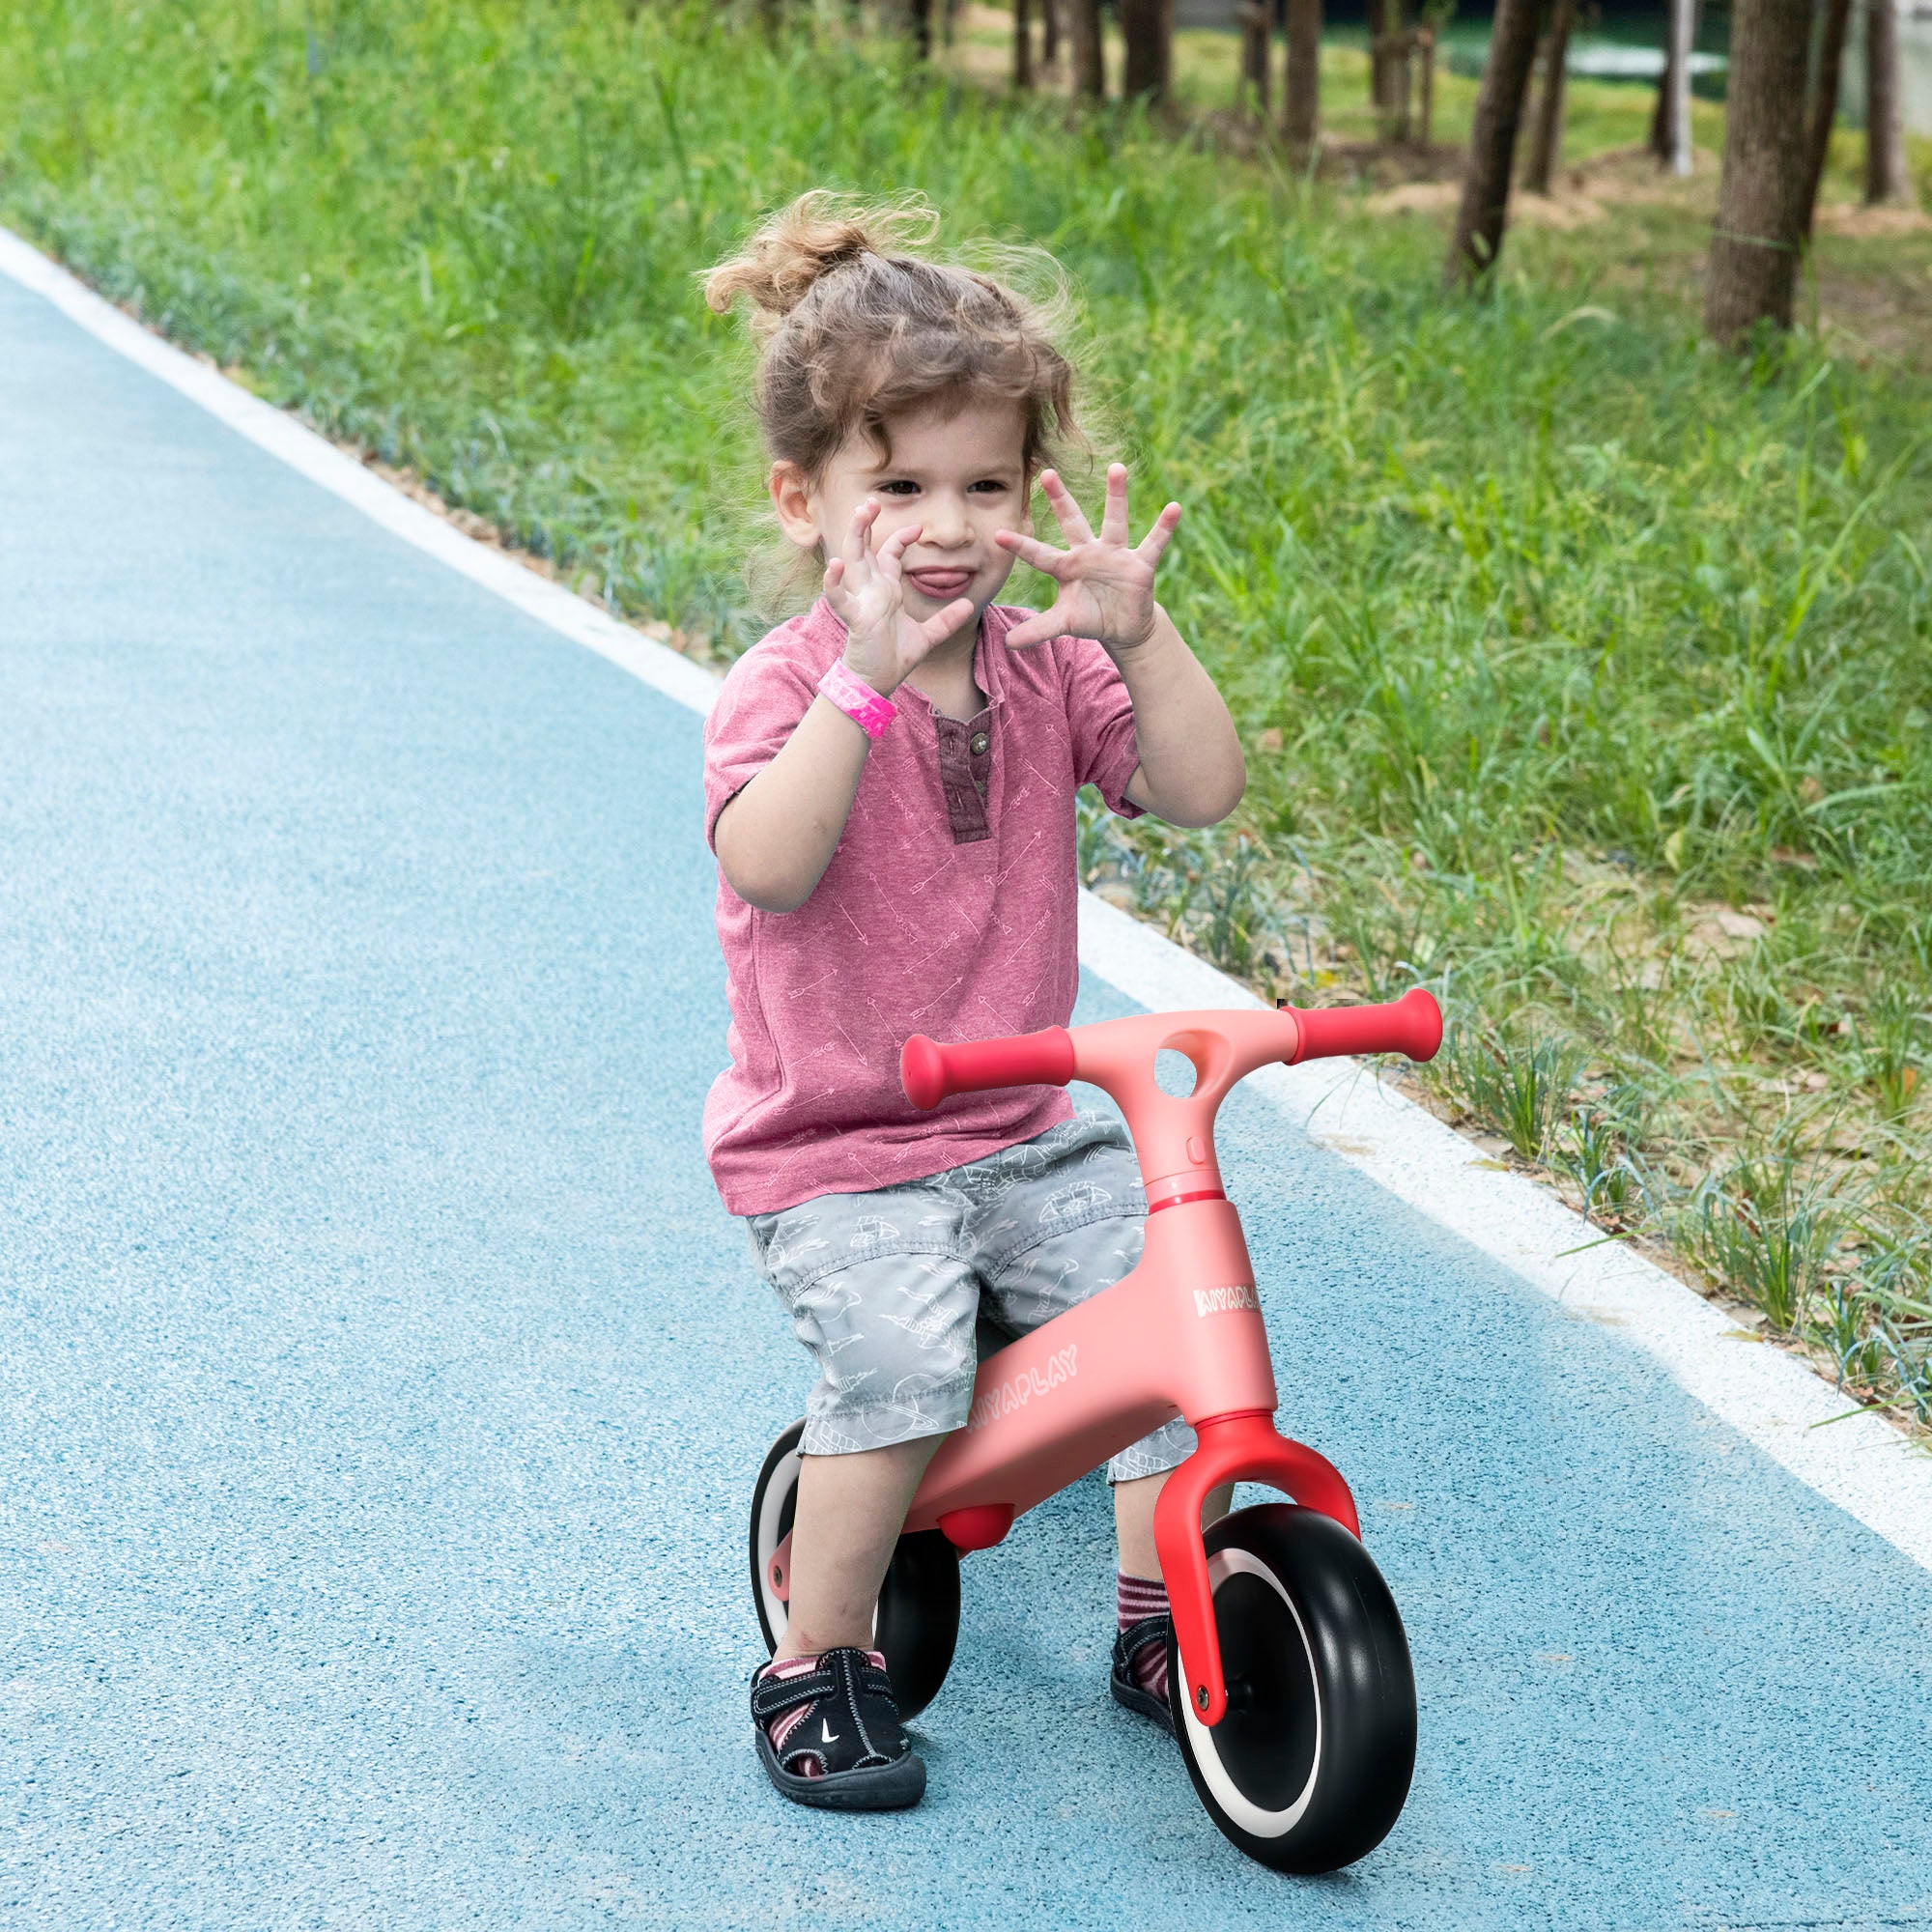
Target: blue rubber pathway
{"type": "Point", "coordinates": [380, 1384]}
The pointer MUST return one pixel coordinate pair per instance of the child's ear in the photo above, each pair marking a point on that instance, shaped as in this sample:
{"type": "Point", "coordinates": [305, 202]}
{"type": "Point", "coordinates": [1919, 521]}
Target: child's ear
{"type": "Point", "coordinates": [792, 498]}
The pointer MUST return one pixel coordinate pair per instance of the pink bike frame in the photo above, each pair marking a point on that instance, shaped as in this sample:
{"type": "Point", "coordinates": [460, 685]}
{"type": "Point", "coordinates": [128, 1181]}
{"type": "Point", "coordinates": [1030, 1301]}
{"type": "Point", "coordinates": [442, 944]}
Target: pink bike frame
{"type": "Point", "coordinates": [1182, 1334]}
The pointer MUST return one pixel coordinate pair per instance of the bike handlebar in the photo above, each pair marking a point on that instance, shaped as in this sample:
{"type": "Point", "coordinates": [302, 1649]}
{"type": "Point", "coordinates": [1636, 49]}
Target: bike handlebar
{"type": "Point", "coordinates": [931, 1072]}
{"type": "Point", "coordinates": [1411, 1025]}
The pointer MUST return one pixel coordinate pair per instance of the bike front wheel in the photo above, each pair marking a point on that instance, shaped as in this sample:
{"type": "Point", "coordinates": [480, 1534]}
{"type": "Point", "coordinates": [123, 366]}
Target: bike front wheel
{"type": "Point", "coordinates": [1311, 1765]}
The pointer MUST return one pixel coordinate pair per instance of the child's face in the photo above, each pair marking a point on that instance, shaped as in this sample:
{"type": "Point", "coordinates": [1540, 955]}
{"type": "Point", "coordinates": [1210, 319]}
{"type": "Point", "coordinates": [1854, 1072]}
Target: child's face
{"type": "Point", "coordinates": [955, 477]}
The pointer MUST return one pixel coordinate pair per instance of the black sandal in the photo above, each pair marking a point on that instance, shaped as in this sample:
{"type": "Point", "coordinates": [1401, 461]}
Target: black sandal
{"type": "Point", "coordinates": [1127, 1646]}
{"type": "Point", "coordinates": [850, 1729]}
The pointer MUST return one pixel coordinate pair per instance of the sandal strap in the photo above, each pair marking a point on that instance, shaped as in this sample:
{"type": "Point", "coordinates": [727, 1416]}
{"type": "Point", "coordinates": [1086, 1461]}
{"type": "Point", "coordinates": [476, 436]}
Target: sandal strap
{"type": "Point", "coordinates": [853, 1700]}
{"type": "Point", "coordinates": [1135, 1638]}
{"type": "Point", "coordinates": [772, 1696]}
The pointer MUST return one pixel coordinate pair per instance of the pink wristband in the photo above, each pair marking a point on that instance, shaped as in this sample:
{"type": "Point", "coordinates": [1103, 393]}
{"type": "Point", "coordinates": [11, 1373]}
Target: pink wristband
{"type": "Point", "coordinates": [857, 698]}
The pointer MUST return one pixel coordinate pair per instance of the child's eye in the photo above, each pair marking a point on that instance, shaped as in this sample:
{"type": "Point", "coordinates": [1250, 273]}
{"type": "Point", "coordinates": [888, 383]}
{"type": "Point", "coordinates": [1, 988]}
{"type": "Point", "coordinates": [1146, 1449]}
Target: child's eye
{"type": "Point", "coordinates": [993, 486]}
{"type": "Point", "coordinates": [899, 487]}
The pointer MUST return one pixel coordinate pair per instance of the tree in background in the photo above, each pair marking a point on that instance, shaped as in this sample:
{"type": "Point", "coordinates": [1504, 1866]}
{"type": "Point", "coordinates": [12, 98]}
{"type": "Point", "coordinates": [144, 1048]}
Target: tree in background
{"type": "Point", "coordinates": [1022, 43]}
{"type": "Point", "coordinates": [1147, 30]}
{"type": "Point", "coordinates": [1885, 105]}
{"type": "Point", "coordinates": [1486, 183]}
{"type": "Point", "coordinates": [1666, 86]}
{"type": "Point", "coordinates": [1089, 50]}
{"type": "Point", "coordinates": [1049, 42]}
{"type": "Point", "coordinates": [1761, 218]}
{"type": "Point", "coordinates": [1257, 29]}
{"type": "Point", "coordinates": [1384, 24]}
{"type": "Point", "coordinates": [1301, 91]}
{"type": "Point", "coordinates": [1545, 144]}
{"type": "Point", "coordinates": [1823, 101]}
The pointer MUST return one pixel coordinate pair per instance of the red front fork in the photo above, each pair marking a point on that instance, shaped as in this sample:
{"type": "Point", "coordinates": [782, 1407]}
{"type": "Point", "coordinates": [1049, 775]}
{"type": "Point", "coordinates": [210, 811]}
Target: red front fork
{"type": "Point", "coordinates": [1241, 1446]}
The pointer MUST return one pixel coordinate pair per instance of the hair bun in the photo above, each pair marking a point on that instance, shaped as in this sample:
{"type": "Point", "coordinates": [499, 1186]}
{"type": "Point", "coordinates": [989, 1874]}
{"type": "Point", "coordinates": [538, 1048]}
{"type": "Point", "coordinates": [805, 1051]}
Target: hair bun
{"type": "Point", "coordinates": [801, 245]}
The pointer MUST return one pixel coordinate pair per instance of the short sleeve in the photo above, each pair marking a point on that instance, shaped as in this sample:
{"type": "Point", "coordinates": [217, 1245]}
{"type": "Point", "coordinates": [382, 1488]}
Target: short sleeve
{"type": "Point", "coordinates": [1106, 751]}
{"type": "Point", "coordinates": [763, 698]}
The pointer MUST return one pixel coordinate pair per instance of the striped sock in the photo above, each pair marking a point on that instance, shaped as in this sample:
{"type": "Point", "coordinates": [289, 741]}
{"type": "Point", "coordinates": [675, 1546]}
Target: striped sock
{"type": "Point", "coordinates": [786, 1722]}
{"type": "Point", "coordinates": [1144, 1596]}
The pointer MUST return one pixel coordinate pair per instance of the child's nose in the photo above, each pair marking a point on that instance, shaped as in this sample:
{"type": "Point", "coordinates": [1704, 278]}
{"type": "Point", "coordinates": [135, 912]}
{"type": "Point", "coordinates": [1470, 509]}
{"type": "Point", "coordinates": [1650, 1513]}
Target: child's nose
{"type": "Point", "coordinates": [946, 526]}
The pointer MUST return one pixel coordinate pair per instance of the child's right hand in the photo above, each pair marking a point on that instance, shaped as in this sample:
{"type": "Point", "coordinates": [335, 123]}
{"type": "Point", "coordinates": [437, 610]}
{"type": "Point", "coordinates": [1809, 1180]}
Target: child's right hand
{"type": "Point", "coordinates": [865, 589]}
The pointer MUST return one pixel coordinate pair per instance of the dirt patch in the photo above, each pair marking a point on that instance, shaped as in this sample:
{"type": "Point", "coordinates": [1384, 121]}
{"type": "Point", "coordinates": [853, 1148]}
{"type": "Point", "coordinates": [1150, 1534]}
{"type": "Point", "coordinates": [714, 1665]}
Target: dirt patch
{"type": "Point", "coordinates": [1439, 197]}
{"type": "Point", "coordinates": [1435, 197]}
{"type": "Point", "coordinates": [1860, 223]}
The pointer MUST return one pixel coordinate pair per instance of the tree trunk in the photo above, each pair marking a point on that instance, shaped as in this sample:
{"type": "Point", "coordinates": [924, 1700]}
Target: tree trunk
{"type": "Point", "coordinates": [1885, 105]}
{"type": "Point", "coordinates": [1386, 60]}
{"type": "Point", "coordinates": [1824, 102]}
{"type": "Point", "coordinates": [1302, 88]}
{"type": "Point", "coordinates": [1666, 85]}
{"type": "Point", "coordinates": [919, 16]}
{"type": "Point", "coordinates": [1146, 29]}
{"type": "Point", "coordinates": [1022, 43]}
{"type": "Point", "coordinates": [1255, 38]}
{"type": "Point", "coordinates": [1486, 187]}
{"type": "Point", "coordinates": [1049, 40]}
{"type": "Point", "coordinates": [1545, 144]}
{"type": "Point", "coordinates": [1425, 42]}
{"type": "Point", "coordinates": [1659, 115]}
{"type": "Point", "coordinates": [1760, 227]}
{"type": "Point", "coordinates": [1090, 51]}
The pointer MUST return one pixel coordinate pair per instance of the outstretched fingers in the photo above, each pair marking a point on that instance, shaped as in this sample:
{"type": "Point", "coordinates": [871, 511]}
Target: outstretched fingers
{"type": "Point", "coordinates": [1113, 516]}
{"type": "Point", "coordinates": [859, 534]}
{"type": "Point", "coordinates": [891, 557]}
{"type": "Point", "coordinates": [1040, 629]}
{"type": "Point", "coordinates": [937, 630]}
{"type": "Point", "coordinates": [1067, 513]}
{"type": "Point", "coordinates": [1030, 549]}
{"type": "Point", "coordinates": [1158, 539]}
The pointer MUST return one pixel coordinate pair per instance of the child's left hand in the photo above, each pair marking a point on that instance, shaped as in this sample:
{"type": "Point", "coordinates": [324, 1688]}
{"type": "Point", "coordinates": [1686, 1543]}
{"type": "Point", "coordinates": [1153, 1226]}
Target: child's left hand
{"type": "Point", "coordinates": [1106, 587]}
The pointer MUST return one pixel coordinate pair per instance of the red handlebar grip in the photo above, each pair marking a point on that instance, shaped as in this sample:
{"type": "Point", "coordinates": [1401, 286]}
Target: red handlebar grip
{"type": "Point", "coordinates": [929, 1071]}
{"type": "Point", "coordinates": [1411, 1025]}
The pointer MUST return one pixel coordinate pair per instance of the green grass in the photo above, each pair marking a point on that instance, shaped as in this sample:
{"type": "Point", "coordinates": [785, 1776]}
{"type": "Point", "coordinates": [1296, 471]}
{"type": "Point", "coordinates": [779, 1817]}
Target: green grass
{"type": "Point", "coordinates": [1586, 673]}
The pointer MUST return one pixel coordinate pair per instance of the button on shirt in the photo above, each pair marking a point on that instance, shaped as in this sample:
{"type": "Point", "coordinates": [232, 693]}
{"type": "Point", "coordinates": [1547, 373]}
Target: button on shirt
{"type": "Point", "coordinates": [948, 909]}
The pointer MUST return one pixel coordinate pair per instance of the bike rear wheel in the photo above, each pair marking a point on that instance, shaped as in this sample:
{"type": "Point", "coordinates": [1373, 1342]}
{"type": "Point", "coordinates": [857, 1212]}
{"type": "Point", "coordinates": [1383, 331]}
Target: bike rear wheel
{"type": "Point", "coordinates": [1311, 1765]}
{"type": "Point", "coordinates": [917, 1621]}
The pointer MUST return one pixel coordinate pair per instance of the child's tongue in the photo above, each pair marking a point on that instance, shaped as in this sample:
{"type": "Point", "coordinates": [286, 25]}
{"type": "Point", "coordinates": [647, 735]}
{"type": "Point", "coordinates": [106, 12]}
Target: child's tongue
{"type": "Point", "coordinates": [941, 582]}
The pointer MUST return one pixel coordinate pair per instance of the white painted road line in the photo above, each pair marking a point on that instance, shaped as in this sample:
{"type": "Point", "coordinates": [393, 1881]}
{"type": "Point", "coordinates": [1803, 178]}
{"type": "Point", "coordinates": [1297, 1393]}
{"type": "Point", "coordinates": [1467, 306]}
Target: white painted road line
{"type": "Point", "coordinates": [1859, 1462]}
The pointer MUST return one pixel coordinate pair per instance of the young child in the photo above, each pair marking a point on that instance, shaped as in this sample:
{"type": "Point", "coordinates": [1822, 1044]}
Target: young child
{"type": "Point", "coordinates": [890, 788]}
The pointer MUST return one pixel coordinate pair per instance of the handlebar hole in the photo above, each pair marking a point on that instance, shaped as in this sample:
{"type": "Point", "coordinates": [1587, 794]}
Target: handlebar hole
{"type": "Point", "coordinates": [1173, 1073]}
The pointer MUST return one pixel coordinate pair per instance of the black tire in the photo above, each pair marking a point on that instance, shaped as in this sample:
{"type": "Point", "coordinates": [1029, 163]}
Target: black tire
{"type": "Point", "coordinates": [918, 1623]}
{"type": "Point", "coordinates": [1309, 1766]}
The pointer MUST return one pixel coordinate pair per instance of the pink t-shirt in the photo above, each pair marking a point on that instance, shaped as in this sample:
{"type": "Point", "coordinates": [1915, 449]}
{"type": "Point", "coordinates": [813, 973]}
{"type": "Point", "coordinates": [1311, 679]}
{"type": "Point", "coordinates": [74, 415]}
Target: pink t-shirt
{"type": "Point", "coordinates": [948, 909]}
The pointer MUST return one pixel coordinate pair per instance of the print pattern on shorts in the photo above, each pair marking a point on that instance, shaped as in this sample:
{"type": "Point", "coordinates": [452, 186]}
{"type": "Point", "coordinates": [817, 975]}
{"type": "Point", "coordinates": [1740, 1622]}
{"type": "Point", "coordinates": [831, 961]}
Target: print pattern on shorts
{"type": "Point", "coordinates": [885, 1289]}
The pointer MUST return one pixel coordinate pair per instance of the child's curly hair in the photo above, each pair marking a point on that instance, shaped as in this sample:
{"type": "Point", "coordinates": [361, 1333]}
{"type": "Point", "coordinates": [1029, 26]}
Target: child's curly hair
{"type": "Point", "coordinates": [853, 328]}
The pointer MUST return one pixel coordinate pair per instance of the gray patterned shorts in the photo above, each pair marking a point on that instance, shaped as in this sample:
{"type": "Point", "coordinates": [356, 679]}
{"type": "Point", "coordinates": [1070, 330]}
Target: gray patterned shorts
{"type": "Point", "coordinates": [888, 1289]}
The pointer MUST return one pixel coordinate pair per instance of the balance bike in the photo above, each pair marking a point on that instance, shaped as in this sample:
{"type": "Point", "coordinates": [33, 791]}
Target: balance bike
{"type": "Point", "coordinates": [1289, 1675]}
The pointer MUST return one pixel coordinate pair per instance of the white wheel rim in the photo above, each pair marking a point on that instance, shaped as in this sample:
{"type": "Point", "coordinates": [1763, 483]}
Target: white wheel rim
{"type": "Point", "coordinates": [1241, 1809]}
{"type": "Point", "coordinates": [771, 1510]}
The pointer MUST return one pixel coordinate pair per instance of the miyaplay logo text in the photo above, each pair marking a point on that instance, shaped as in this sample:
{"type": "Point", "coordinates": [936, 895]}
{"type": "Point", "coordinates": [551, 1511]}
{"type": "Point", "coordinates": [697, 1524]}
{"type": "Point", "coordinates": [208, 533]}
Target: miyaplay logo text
{"type": "Point", "coordinates": [1237, 1299]}
{"type": "Point", "coordinates": [1017, 1391]}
